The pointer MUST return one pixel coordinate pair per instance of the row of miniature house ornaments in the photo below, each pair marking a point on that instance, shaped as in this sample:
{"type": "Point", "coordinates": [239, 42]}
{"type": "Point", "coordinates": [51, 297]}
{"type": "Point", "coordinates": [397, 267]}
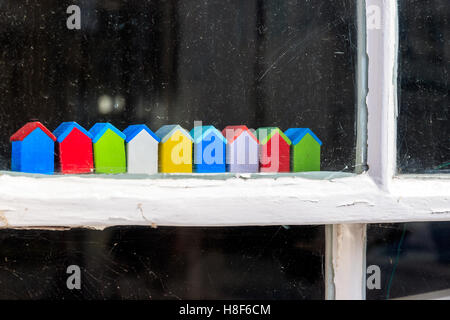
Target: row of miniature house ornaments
{"type": "Point", "coordinates": [105, 149]}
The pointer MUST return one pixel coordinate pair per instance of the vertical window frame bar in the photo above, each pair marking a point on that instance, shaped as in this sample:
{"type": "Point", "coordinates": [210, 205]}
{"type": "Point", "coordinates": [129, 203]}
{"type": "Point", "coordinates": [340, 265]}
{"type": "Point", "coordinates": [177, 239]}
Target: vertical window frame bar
{"type": "Point", "coordinates": [346, 243]}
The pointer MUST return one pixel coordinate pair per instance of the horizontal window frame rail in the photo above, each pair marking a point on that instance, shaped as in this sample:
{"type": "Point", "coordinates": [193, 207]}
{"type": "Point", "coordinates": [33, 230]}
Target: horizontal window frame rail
{"type": "Point", "coordinates": [99, 202]}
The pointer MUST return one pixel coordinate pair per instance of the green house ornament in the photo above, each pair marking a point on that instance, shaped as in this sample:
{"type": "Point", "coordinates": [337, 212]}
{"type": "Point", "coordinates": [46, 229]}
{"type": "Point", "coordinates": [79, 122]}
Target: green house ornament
{"type": "Point", "coordinates": [109, 148]}
{"type": "Point", "coordinates": [305, 150]}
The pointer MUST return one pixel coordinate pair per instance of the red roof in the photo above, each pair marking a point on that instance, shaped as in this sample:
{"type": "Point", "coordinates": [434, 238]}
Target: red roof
{"type": "Point", "coordinates": [236, 130]}
{"type": "Point", "coordinates": [23, 132]}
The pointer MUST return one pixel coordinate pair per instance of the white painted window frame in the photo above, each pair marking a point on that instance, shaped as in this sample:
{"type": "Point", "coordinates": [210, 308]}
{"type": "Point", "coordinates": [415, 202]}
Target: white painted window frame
{"type": "Point", "coordinates": [428, 194]}
{"type": "Point", "coordinates": [344, 204]}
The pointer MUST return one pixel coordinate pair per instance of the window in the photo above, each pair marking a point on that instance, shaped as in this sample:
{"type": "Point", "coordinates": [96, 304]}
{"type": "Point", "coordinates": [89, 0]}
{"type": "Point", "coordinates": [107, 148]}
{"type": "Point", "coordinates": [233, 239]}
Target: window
{"type": "Point", "coordinates": [165, 263]}
{"type": "Point", "coordinates": [424, 55]}
{"type": "Point", "coordinates": [258, 63]}
{"type": "Point", "coordinates": [413, 258]}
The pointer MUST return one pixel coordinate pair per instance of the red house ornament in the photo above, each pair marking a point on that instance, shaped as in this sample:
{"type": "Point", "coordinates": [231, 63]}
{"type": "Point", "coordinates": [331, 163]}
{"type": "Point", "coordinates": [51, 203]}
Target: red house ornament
{"type": "Point", "coordinates": [274, 150]}
{"type": "Point", "coordinates": [74, 149]}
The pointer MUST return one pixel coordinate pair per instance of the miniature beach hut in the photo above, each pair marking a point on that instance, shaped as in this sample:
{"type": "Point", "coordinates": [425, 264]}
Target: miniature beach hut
{"type": "Point", "coordinates": [33, 149]}
{"type": "Point", "coordinates": [175, 149]}
{"type": "Point", "coordinates": [274, 150]}
{"type": "Point", "coordinates": [241, 149]}
{"type": "Point", "coordinates": [305, 150]}
{"type": "Point", "coordinates": [74, 148]}
{"type": "Point", "coordinates": [209, 149]}
{"type": "Point", "coordinates": [142, 149]}
{"type": "Point", "coordinates": [109, 148]}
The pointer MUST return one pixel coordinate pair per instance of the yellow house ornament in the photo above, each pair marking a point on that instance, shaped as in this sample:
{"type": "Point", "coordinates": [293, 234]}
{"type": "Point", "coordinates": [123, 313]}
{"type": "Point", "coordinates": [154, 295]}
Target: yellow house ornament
{"type": "Point", "coordinates": [175, 149]}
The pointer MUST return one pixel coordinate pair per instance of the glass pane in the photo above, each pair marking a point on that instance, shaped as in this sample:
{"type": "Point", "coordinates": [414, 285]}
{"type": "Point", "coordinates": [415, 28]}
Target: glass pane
{"type": "Point", "coordinates": [259, 63]}
{"type": "Point", "coordinates": [424, 102]}
{"type": "Point", "coordinates": [165, 263]}
{"type": "Point", "coordinates": [414, 259]}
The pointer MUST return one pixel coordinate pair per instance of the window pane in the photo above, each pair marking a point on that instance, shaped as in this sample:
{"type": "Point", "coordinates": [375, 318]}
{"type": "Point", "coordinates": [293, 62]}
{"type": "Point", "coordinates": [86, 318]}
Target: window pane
{"type": "Point", "coordinates": [165, 263]}
{"type": "Point", "coordinates": [260, 63]}
{"type": "Point", "coordinates": [414, 258]}
{"type": "Point", "coordinates": [424, 102]}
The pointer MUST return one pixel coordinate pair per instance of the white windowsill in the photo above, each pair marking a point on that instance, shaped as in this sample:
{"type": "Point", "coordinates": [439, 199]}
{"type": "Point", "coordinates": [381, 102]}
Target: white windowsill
{"type": "Point", "coordinates": [217, 200]}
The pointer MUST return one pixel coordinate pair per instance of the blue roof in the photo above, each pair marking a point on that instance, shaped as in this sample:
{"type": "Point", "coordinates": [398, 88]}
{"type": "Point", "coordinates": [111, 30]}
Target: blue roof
{"type": "Point", "coordinates": [100, 128]}
{"type": "Point", "coordinates": [166, 131]}
{"type": "Point", "coordinates": [197, 133]}
{"type": "Point", "coordinates": [65, 128]}
{"type": "Point", "coordinates": [133, 130]}
{"type": "Point", "coordinates": [297, 134]}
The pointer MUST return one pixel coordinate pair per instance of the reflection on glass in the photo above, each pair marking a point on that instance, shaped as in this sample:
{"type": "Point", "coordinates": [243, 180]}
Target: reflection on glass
{"type": "Point", "coordinates": [424, 101]}
{"type": "Point", "coordinates": [414, 258]}
{"type": "Point", "coordinates": [165, 263]}
{"type": "Point", "coordinates": [258, 63]}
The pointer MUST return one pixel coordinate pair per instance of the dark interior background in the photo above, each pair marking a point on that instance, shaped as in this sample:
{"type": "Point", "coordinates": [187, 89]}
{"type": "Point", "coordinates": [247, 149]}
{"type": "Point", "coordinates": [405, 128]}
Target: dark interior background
{"type": "Point", "coordinates": [165, 263]}
{"type": "Point", "coordinates": [255, 62]}
{"type": "Point", "coordinates": [414, 258]}
{"type": "Point", "coordinates": [424, 100]}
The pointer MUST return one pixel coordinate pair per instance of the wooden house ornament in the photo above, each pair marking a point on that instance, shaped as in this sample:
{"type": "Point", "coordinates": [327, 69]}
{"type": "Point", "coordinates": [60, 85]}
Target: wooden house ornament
{"type": "Point", "coordinates": [241, 150]}
{"type": "Point", "coordinates": [305, 150]}
{"type": "Point", "coordinates": [33, 149]}
{"type": "Point", "coordinates": [109, 148]}
{"type": "Point", "coordinates": [209, 149]}
{"type": "Point", "coordinates": [142, 149]}
{"type": "Point", "coordinates": [74, 149]}
{"type": "Point", "coordinates": [175, 149]}
{"type": "Point", "coordinates": [274, 150]}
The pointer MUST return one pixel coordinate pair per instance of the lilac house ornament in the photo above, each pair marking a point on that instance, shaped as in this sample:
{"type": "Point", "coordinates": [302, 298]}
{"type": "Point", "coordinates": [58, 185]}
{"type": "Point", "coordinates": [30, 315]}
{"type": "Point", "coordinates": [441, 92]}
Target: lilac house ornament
{"type": "Point", "coordinates": [241, 150]}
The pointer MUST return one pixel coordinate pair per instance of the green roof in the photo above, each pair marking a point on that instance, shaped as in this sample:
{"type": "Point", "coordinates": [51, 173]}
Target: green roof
{"type": "Point", "coordinates": [266, 133]}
